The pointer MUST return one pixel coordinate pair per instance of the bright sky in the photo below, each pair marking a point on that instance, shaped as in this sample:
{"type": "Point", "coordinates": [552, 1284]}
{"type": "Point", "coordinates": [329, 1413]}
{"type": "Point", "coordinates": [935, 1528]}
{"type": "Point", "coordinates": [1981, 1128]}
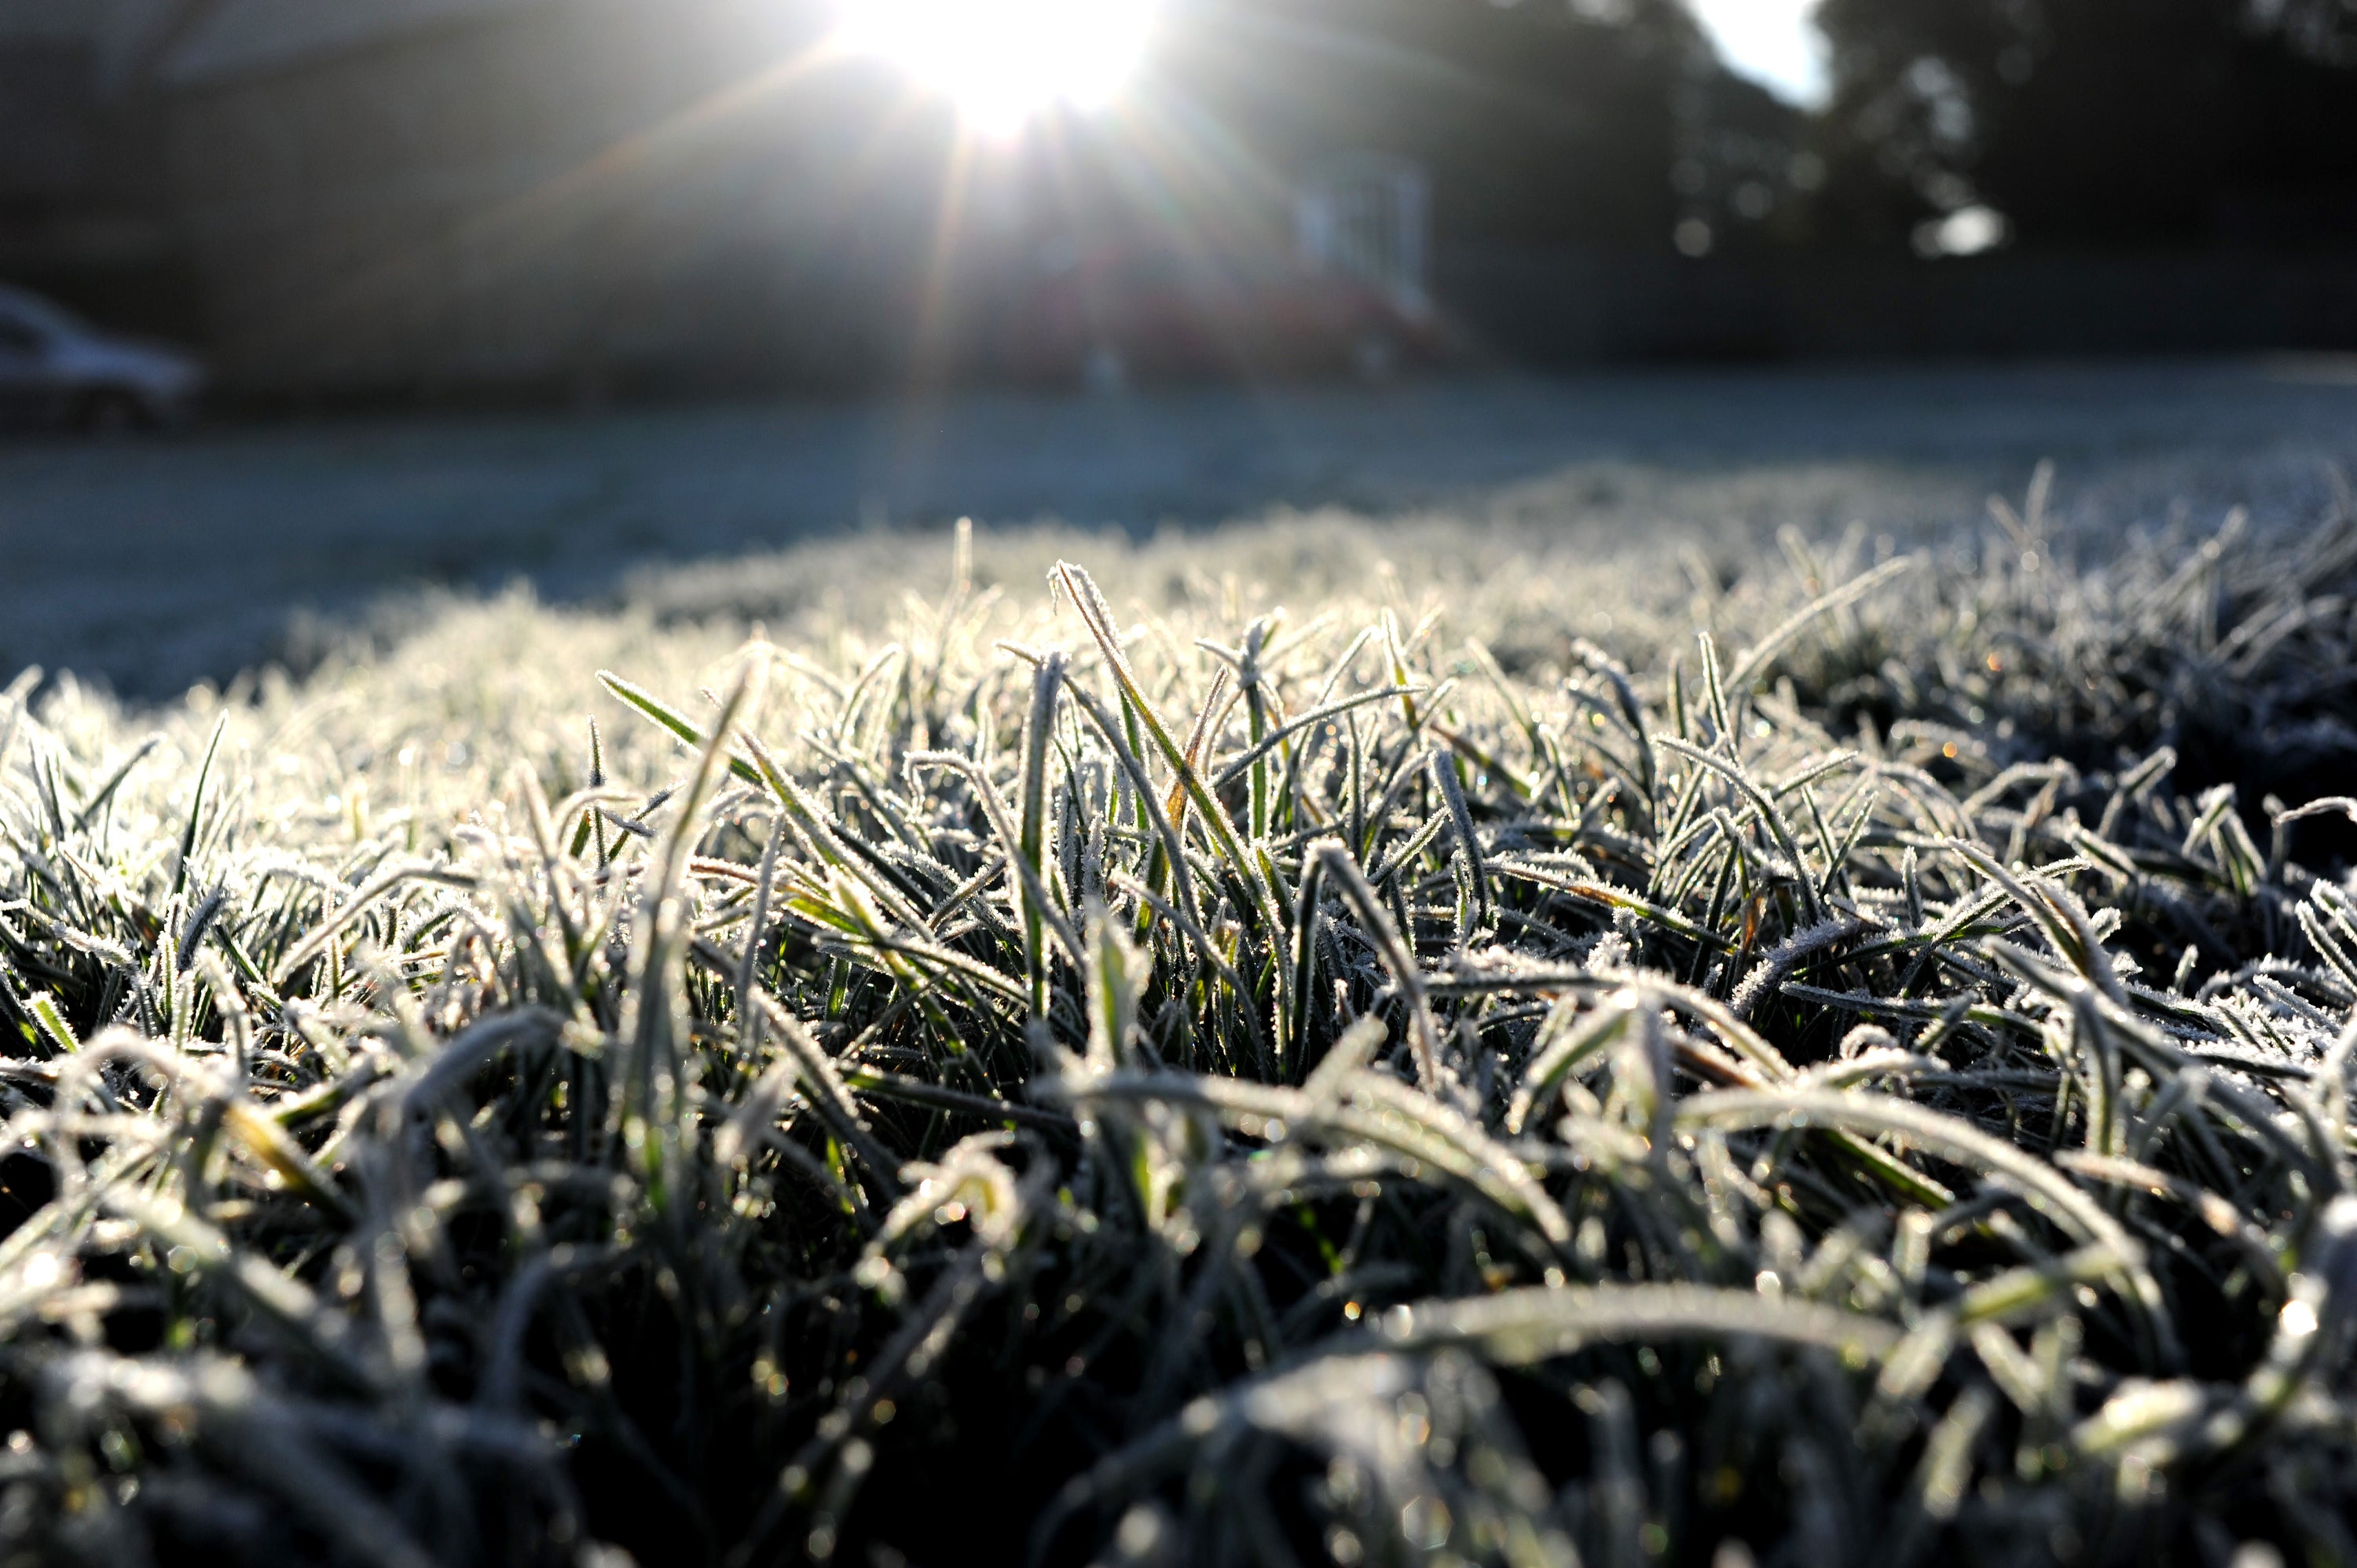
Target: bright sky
{"type": "Point", "coordinates": [1771, 41]}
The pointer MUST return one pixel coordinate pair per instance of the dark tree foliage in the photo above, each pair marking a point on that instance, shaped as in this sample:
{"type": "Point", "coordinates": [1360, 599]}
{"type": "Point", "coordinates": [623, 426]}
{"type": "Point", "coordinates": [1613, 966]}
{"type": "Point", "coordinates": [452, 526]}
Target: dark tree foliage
{"type": "Point", "coordinates": [2096, 120]}
{"type": "Point", "coordinates": [1542, 122]}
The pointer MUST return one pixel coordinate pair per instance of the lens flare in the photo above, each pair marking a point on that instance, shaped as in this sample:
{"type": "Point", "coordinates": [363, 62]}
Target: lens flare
{"type": "Point", "coordinates": [1004, 62]}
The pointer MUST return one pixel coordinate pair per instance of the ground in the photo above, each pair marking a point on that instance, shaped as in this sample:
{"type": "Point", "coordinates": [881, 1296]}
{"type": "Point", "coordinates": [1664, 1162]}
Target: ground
{"type": "Point", "coordinates": [152, 565]}
{"type": "Point", "coordinates": [1617, 1032]}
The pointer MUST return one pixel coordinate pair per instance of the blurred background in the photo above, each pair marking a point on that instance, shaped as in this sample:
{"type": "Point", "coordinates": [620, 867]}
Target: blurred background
{"type": "Point", "coordinates": [452, 290]}
{"type": "Point", "coordinates": [596, 198]}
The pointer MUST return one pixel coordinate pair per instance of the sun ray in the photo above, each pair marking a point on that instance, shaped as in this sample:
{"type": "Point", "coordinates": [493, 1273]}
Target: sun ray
{"type": "Point", "coordinates": [544, 205]}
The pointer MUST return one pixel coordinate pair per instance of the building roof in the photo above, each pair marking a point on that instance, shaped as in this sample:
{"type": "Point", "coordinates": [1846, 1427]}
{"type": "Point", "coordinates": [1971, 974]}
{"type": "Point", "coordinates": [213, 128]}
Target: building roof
{"type": "Point", "coordinates": [244, 37]}
{"type": "Point", "coordinates": [48, 21]}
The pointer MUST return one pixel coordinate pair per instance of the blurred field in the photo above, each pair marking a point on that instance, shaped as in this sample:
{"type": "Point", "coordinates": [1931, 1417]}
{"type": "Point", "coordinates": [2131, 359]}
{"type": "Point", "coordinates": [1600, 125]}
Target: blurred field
{"type": "Point", "coordinates": [150, 565]}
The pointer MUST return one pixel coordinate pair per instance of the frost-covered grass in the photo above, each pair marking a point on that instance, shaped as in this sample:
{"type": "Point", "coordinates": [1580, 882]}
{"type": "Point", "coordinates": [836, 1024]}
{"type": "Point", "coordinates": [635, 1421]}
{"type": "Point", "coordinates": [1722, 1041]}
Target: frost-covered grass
{"type": "Point", "coordinates": [1821, 1056]}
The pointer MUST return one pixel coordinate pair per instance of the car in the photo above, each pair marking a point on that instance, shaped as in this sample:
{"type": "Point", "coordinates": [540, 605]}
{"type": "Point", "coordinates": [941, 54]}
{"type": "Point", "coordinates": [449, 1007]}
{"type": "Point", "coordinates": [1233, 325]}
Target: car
{"type": "Point", "coordinates": [59, 369]}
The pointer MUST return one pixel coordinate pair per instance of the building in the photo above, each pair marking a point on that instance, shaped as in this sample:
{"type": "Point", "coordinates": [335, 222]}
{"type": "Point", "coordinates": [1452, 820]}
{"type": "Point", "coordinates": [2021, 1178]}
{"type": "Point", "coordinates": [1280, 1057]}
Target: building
{"type": "Point", "coordinates": [83, 212]}
{"type": "Point", "coordinates": [429, 193]}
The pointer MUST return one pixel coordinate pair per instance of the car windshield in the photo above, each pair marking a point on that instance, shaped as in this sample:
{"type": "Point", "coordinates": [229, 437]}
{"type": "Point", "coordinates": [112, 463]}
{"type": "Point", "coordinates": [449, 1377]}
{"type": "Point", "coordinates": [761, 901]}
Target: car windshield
{"type": "Point", "coordinates": [37, 315]}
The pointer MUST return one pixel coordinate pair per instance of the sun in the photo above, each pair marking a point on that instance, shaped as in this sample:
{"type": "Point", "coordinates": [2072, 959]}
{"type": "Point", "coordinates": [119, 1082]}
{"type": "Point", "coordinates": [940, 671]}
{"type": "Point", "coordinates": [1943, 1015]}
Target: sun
{"type": "Point", "coordinates": [1005, 61]}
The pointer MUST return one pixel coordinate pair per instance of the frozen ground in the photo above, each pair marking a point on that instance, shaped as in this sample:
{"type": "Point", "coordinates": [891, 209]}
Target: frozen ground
{"type": "Point", "coordinates": [155, 564]}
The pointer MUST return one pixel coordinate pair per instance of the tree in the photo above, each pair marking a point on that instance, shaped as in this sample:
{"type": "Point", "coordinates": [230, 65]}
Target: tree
{"type": "Point", "coordinates": [2095, 121]}
{"type": "Point", "coordinates": [1593, 122]}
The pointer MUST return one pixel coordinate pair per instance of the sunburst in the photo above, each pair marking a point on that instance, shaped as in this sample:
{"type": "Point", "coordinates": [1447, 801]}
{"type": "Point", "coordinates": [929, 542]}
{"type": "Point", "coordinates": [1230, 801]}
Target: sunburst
{"type": "Point", "coordinates": [1005, 62]}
